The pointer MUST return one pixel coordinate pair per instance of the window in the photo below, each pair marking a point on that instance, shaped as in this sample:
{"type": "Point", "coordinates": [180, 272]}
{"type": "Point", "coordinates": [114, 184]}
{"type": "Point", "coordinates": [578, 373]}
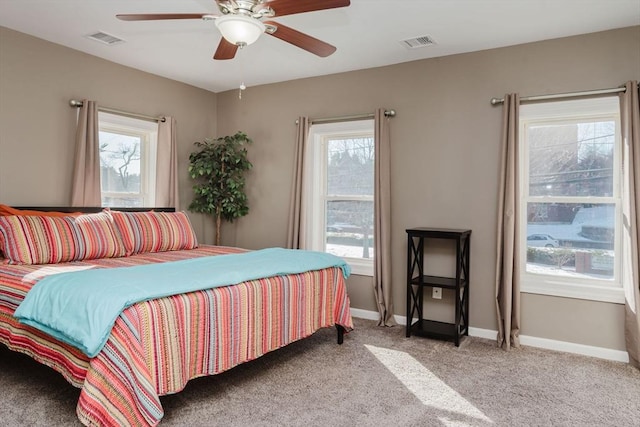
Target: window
{"type": "Point", "coordinates": [570, 177]}
{"type": "Point", "coordinates": [339, 190]}
{"type": "Point", "coordinates": [127, 160]}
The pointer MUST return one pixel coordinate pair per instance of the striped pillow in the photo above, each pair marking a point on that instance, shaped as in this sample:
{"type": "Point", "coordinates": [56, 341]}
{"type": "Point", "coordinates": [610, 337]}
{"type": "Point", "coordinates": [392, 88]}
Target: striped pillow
{"type": "Point", "coordinates": [50, 240]}
{"type": "Point", "coordinates": [98, 237]}
{"type": "Point", "coordinates": [155, 231]}
{"type": "Point", "coordinates": [38, 239]}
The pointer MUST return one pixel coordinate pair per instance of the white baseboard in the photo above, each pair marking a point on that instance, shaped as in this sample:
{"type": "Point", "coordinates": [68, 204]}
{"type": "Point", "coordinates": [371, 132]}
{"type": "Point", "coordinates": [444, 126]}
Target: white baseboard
{"type": "Point", "coordinates": [365, 314]}
{"type": "Point", "coordinates": [483, 333]}
{"type": "Point", "coordinates": [570, 347]}
{"type": "Point", "coordinates": [567, 347]}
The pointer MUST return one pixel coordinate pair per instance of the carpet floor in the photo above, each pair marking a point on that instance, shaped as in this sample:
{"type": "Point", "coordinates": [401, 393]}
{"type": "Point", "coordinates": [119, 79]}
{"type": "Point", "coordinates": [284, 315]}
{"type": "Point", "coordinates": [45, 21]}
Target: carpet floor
{"type": "Point", "coordinates": [376, 378]}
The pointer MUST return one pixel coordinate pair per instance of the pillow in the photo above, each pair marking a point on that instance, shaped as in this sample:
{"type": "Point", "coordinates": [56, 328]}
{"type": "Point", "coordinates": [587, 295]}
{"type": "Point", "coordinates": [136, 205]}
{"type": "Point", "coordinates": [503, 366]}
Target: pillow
{"type": "Point", "coordinates": [98, 237]}
{"type": "Point", "coordinates": [50, 240]}
{"type": "Point", "coordinates": [155, 231]}
{"type": "Point", "coordinates": [8, 210]}
{"type": "Point", "coordinates": [37, 239]}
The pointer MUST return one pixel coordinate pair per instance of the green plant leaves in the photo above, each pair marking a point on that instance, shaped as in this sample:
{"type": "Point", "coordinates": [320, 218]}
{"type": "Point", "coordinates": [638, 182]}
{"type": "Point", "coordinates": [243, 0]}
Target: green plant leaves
{"type": "Point", "coordinates": [218, 169]}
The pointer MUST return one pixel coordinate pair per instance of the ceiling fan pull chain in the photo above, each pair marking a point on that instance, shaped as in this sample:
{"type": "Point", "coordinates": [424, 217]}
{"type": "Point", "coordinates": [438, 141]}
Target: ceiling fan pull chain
{"type": "Point", "coordinates": [242, 64]}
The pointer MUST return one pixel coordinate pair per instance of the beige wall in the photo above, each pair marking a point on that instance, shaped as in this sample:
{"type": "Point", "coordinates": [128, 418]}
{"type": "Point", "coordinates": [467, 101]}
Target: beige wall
{"type": "Point", "coordinates": [444, 159]}
{"type": "Point", "coordinates": [37, 80]}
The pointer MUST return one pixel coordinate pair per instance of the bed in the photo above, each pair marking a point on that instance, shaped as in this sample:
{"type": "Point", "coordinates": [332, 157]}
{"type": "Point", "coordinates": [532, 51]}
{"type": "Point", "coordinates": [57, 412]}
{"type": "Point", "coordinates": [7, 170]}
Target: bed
{"type": "Point", "coordinates": [154, 346]}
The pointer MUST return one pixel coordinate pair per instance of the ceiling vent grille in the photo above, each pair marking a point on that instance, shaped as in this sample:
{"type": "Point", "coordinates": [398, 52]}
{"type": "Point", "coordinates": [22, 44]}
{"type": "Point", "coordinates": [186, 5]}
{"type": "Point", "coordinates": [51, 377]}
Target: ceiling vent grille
{"type": "Point", "coordinates": [418, 42]}
{"type": "Point", "coordinates": [105, 38]}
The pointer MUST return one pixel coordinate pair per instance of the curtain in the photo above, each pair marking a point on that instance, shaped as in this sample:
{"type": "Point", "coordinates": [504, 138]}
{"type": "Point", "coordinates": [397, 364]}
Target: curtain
{"type": "Point", "coordinates": [167, 165]}
{"type": "Point", "coordinates": [295, 231]}
{"type": "Point", "coordinates": [382, 220]}
{"type": "Point", "coordinates": [507, 266]}
{"type": "Point", "coordinates": [382, 209]}
{"type": "Point", "coordinates": [630, 122]}
{"type": "Point", "coordinates": [85, 186]}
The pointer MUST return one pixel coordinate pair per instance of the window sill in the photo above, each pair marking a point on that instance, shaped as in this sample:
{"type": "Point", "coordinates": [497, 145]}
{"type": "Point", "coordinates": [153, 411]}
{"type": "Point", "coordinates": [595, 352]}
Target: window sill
{"type": "Point", "coordinates": [360, 267]}
{"type": "Point", "coordinates": [611, 294]}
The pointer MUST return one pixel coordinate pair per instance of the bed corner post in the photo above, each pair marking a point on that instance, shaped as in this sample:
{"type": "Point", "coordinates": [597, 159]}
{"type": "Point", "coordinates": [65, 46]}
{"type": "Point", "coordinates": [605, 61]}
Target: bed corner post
{"type": "Point", "coordinates": [341, 331]}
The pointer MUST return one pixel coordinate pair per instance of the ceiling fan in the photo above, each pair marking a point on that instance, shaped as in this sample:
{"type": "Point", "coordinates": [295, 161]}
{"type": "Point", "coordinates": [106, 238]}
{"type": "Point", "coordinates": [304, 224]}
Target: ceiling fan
{"type": "Point", "coordinates": [243, 21]}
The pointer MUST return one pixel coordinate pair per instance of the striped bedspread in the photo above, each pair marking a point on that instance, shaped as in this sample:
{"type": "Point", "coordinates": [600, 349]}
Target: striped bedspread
{"type": "Point", "coordinates": [144, 358]}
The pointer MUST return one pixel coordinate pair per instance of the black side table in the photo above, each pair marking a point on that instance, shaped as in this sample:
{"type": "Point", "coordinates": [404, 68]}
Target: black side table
{"type": "Point", "coordinates": [417, 280]}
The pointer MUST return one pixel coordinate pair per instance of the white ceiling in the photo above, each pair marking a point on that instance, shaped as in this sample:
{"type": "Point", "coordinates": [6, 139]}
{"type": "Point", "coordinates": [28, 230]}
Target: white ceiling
{"type": "Point", "coordinates": [367, 33]}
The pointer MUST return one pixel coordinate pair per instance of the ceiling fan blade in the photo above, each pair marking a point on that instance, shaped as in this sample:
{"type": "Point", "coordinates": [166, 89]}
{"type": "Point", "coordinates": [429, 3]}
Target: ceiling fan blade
{"type": "Point", "coordinates": [302, 40]}
{"type": "Point", "coordinates": [225, 50]}
{"type": "Point", "coordinates": [160, 16]}
{"type": "Point", "coordinates": [289, 7]}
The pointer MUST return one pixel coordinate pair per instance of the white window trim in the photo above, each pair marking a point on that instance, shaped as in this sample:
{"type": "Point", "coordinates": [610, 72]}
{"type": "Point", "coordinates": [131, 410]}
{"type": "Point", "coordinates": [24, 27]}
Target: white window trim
{"type": "Point", "coordinates": [147, 131]}
{"type": "Point", "coordinates": [581, 288]}
{"type": "Point", "coordinates": [315, 183]}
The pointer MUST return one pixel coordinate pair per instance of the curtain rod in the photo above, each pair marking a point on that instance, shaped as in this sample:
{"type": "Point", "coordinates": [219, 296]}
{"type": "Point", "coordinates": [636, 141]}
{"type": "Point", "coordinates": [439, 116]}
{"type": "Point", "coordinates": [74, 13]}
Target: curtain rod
{"type": "Point", "coordinates": [78, 104]}
{"type": "Point", "coordinates": [387, 113]}
{"type": "Point", "coordinates": [496, 101]}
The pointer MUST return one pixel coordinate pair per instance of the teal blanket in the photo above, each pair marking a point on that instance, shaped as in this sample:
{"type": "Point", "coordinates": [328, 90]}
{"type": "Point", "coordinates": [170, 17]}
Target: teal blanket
{"type": "Point", "coordinates": [81, 307]}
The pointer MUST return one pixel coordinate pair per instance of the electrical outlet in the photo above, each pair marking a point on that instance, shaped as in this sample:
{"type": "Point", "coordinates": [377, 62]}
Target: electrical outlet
{"type": "Point", "coordinates": [436, 293]}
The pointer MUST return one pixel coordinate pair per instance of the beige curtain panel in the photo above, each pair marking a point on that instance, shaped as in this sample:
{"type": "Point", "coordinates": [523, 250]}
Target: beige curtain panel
{"type": "Point", "coordinates": [507, 266]}
{"type": "Point", "coordinates": [167, 165]}
{"type": "Point", "coordinates": [382, 219]}
{"type": "Point", "coordinates": [85, 186]}
{"type": "Point", "coordinates": [295, 232]}
{"type": "Point", "coordinates": [630, 121]}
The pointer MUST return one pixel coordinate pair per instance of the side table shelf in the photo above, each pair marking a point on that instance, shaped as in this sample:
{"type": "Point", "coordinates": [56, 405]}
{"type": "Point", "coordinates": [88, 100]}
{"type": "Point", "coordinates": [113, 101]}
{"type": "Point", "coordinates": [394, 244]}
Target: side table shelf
{"type": "Point", "coordinates": [417, 281]}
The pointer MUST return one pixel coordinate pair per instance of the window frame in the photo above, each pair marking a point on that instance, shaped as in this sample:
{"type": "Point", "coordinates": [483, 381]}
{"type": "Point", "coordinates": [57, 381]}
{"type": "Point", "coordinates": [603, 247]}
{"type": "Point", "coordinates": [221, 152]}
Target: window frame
{"type": "Point", "coordinates": [147, 131]}
{"type": "Point", "coordinates": [315, 189]}
{"type": "Point", "coordinates": [567, 112]}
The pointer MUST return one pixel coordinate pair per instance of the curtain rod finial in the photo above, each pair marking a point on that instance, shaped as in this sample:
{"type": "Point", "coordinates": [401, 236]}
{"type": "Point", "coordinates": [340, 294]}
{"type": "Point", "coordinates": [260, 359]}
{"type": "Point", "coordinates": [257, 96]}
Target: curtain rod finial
{"type": "Point", "coordinates": [75, 103]}
{"type": "Point", "coordinates": [390, 113]}
{"type": "Point", "coordinates": [495, 101]}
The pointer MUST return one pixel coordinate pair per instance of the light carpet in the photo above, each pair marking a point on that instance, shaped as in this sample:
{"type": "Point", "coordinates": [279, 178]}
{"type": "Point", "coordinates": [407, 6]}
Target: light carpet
{"type": "Point", "coordinates": [376, 378]}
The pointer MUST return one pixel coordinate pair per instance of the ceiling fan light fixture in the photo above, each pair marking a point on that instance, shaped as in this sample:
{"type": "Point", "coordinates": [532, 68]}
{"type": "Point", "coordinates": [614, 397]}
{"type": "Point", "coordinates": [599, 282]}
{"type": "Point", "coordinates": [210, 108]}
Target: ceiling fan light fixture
{"type": "Point", "coordinates": [240, 29]}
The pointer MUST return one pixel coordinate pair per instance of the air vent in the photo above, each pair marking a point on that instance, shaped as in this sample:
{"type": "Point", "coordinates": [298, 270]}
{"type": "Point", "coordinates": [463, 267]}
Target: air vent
{"type": "Point", "coordinates": [417, 42]}
{"type": "Point", "coordinates": [105, 38]}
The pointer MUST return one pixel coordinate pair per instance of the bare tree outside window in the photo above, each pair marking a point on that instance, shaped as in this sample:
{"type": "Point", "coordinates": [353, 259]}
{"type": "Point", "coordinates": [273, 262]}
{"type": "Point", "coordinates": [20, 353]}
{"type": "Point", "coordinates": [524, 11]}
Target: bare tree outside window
{"type": "Point", "coordinates": [349, 209]}
{"type": "Point", "coordinates": [119, 161]}
{"type": "Point", "coordinates": [120, 169]}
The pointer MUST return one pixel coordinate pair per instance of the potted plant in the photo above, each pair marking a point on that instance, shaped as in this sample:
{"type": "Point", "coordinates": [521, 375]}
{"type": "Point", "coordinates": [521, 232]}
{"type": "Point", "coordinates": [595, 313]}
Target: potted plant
{"type": "Point", "coordinates": [218, 169]}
